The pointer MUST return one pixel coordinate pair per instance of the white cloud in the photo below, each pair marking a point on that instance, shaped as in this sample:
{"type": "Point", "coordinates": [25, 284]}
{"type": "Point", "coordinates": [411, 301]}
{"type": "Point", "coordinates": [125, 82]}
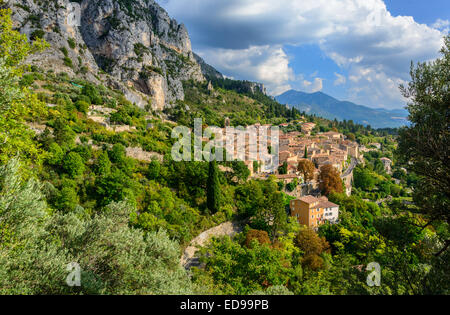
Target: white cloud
{"type": "Point", "coordinates": [441, 24]}
{"type": "Point", "coordinates": [340, 79]}
{"type": "Point", "coordinates": [369, 86]}
{"type": "Point", "coordinates": [361, 36]}
{"type": "Point", "coordinates": [266, 64]}
{"type": "Point", "coordinates": [313, 86]}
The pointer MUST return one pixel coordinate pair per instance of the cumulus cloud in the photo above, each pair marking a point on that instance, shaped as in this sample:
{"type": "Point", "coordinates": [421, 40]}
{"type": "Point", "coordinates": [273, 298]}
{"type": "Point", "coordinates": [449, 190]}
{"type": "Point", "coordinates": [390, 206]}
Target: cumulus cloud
{"type": "Point", "coordinates": [360, 36]}
{"type": "Point", "coordinates": [340, 79]}
{"type": "Point", "coordinates": [267, 64]}
{"type": "Point", "coordinates": [313, 86]}
{"type": "Point", "coordinates": [443, 25]}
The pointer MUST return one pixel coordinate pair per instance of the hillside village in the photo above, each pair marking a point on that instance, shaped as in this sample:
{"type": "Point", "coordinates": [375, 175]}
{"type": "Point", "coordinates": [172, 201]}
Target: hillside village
{"type": "Point", "coordinates": [89, 181]}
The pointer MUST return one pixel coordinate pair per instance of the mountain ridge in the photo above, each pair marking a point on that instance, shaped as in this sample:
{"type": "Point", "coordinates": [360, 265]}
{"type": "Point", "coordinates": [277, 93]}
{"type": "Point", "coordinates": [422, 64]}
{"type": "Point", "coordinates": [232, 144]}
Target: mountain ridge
{"type": "Point", "coordinates": [132, 46]}
{"type": "Point", "coordinates": [326, 106]}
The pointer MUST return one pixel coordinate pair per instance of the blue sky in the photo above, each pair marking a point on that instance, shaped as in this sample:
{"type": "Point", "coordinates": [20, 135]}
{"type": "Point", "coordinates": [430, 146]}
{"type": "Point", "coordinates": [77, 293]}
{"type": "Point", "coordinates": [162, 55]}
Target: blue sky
{"type": "Point", "coordinates": [357, 50]}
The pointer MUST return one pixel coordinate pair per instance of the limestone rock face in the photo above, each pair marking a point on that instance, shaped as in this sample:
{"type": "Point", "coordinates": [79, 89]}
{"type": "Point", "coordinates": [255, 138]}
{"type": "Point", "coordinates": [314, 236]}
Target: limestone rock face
{"type": "Point", "coordinates": [207, 70]}
{"type": "Point", "coordinates": [133, 45]}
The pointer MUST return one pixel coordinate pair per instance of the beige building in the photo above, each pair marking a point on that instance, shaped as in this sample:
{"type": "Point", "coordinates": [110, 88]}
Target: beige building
{"type": "Point", "coordinates": [313, 212]}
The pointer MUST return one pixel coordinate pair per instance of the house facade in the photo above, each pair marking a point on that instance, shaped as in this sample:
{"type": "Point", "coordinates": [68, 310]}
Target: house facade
{"type": "Point", "coordinates": [313, 212]}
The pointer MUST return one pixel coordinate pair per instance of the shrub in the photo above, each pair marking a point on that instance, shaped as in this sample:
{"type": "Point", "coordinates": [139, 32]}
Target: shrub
{"type": "Point", "coordinates": [82, 106]}
{"type": "Point", "coordinates": [37, 34]}
{"type": "Point", "coordinates": [91, 91]}
{"type": "Point", "coordinates": [64, 51]}
{"type": "Point", "coordinates": [68, 62]}
{"type": "Point", "coordinates": [71, 43]}
{"type": "Point", "coordinates": [73, 164]}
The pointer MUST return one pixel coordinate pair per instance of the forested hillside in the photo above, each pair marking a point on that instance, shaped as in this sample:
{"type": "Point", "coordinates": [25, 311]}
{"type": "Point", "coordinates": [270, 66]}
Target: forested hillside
{"type": "Point", "coordinates": [87, 177]}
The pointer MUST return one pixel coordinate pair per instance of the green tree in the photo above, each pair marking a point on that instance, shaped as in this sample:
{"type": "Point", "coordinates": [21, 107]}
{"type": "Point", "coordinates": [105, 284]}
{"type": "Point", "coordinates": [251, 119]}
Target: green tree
{"type": "Point", "coordinates": [56, 154]}
{"type": "Point", "coordinates": [283, 169]}
{"type": "Point", "coordinates": [114, 258]}
{"type": "Point", "coordinates": [154, 169]}
{"type": "Point", "coordinates": [82, 106]}
{"type": "Point", "coordinates": [73, 165]}
{"type": "Point", "coordinates": [67, 199]}
{"type": "Point", "coordinates": [237, 269]}
{"type": "Point", "coordinates": [16, 102]}
{"type": "Point", "coordinates": [91, 91]}
{"type": "Point", "coordinates": [64, 135]}
{"type": "Point", "coordinates": [424, 145]}
{"type": "Point", "coordinates": [213, 188]}
{"type": "Point", "coordinates": [117, 154]}
{"type": "Point", "coordinates": [240, 170]}
{"type": "Point", "coordinates": [114, 187]}
{"type": "Point", "coordinates": [363, 179]}
{"type": "Point", "coordinates": [103, 166]}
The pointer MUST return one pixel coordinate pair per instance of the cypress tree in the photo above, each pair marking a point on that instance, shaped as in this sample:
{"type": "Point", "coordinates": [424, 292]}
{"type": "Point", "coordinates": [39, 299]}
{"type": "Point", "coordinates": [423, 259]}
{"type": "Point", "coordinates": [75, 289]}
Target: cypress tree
{"type": "Point", "coordinates": [213, 188]}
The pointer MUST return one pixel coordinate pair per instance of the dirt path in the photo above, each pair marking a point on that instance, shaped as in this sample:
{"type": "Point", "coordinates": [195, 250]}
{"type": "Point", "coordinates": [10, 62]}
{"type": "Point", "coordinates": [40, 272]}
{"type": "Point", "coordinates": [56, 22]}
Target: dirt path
{"type": "Point", "coordinates": [189, 260]}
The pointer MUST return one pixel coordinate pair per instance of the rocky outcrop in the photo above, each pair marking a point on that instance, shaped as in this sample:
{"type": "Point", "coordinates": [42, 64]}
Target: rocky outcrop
{"type": "Point", "coordinates": [207, 70]}
{"type": "Point", "coordinates": [133, 46]}
{"type": "Point", "coordinates": [256, 87]}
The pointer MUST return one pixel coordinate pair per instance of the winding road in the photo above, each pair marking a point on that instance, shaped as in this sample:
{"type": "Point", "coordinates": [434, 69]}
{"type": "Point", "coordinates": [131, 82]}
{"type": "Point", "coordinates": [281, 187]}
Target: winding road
{"type": "Point", "coordinates": [189, 260]}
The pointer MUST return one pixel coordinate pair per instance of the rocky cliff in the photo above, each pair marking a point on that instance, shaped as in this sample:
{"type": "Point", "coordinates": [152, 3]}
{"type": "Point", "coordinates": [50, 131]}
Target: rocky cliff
{"type": "Point", "coordinates": [207, 70]}
{"type": "Point", "coordinates": [131, 44]}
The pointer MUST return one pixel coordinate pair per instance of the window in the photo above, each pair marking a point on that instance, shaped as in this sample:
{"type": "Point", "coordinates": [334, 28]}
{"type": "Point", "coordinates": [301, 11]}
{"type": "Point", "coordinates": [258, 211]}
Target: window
{"type": "Point", "coordinates": [312, 216]}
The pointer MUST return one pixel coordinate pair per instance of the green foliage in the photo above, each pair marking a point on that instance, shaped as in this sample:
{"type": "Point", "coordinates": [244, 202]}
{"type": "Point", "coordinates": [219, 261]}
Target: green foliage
{"type": "Point", "coordinates": [113, 187]}
{"type": "Point", "coordinates": [283, 169]}
{"type": "Point", "coordinates": [264, 204]}
{"type": "Point", "coordinates": [423, 146]}
{"type": "Point", "coordinates": [37, 34]}
{"type": "Point", "coordinates": [103, 166]}
{"type": "Point", "coordinates": [238, 269]}
{"type": "Point", "coordinates": [92, 93]}
{"type": "Point", "coordinates": [56, 154]}
{"type": "Point", "coordinates": [72, 43]}
{"type": "Point", "coordinates": [73, 165]}
{"type": "Point", "coordinates": [114, 258]}
{"type": "Point", "coordinates": [154, 170]}
{"type": "Point", "coordinates": [16, 102]}
{"type": "Point", "coordinates": [363, 179]}
{"type": "Point", "coordinates": [82, 106]}
{"type": "Point", "coordinates": [240, 170]}
{"type": "Point", "coordinates": [213, 188]}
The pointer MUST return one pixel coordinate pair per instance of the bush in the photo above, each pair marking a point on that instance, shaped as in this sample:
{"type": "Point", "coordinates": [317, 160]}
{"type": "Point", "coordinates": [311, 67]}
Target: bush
{"type": "Point", "coordinates": [91, 91]}
{"type": "Point", "coordinates": [37, 34]}
{"type": "Point", "coordinates": [260, 236]}
{"type": "Point", "coordinates": [73, 164]}
{"type": "Point", "coordinates": [64, 51]}
{"type": "Point", "coordinates": [56, 154]}
{"type": "Point", "coordinates": [68, 62]}
{"type": "Point", "coordinates": [27, 80]}
{"type": "Point", "coordinates": [71, 43]}
{"type": "Point", "coordinates": [82, 106]}
{"type": "Point", "coordinates": [84, 98]}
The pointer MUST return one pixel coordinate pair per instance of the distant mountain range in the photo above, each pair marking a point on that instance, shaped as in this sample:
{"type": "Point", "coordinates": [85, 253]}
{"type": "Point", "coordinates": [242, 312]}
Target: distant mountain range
{"type": "Point", "coordinates": [328, 107]}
